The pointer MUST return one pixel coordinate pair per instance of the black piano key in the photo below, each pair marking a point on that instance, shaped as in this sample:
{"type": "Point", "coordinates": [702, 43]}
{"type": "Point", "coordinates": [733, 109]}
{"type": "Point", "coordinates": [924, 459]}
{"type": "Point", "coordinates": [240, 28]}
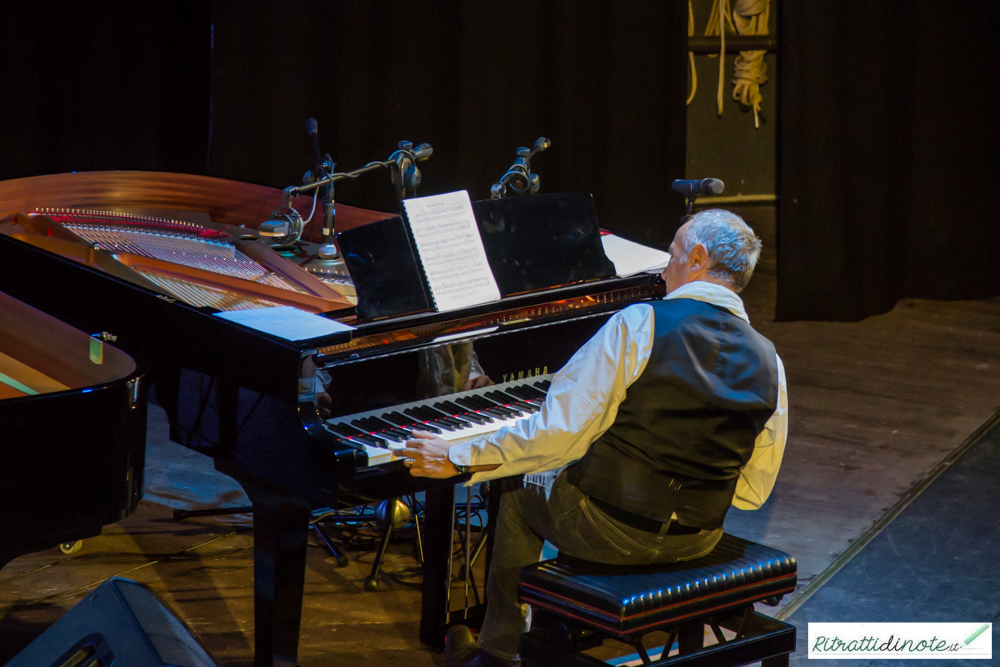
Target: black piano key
{"type": "Point", "coordinates": [409, 423]}
{"type": "Point", "coordinates": [448, 424]}
{"type": "Point", "coordinates": [479, 417]}
{"type": "Point", "coordinates": [473, 417]}
{"type": "Point", "coordinates": [522, 392]}
{"type": "Point", "coordinates": [420, 416]}
{"type": "Point", "coordinates": [498, 396]}
{"type": "Point", "coordinates": [417, 412]}
{"type": "Point", "coordinates": [440, 416]}
{"type": "Point", "coordinates": [417, 415]}
{"type": "Point", "coordinates": [483, 403]}
{"type": "Point", "coordinates": [510, 410]}
{"type": "Point", "coordinates": [369, 440]}
{"type": "Point", "coordinates": [403, 434]}
{"type": "Point", "coordinates": [502, 397]}
{"type": "Point", "coordinates": [397, 419]}
{"type": "Point", "coordinates": [466, 403]}
{"type": "Point", "coordinates": [447, 407]}
{"type": "Point", "coordinates": [389, 435]}
{"type": "Point", "coordinates": [382, 440]}
{"type": "Point", "coordinates": [445, 424]}
{"type": "Point", "coordinates": [456, 412]}
{"type": "Point", "coordinates": [533, 392]}
{"type": "Point", "coordinates": [496, 413]}
{"type": "Point", "coordinates": [434, 414]}
{"type": "Point", "coordinates": [364, 425]}
{"type": "Point", "coordinates": [380, 424]}
{"type": "Point", "coordinates": [530, 406]}
{"type": "Point", "coordinates": [343, 429]}
{"type": "Point", "coordinates": [490, 405]}
{"type": "Point", "coordinates": [544, 384]}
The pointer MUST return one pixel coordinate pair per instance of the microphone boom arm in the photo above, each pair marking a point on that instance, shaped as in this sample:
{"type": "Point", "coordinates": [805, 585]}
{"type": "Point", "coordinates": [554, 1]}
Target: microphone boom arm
{"type": "Point", "coordinates": [398, 159]}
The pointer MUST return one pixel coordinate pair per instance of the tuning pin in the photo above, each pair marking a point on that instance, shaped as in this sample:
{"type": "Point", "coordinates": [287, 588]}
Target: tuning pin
{"type": "Point", "coordinates": [405, 145]}
{"type": "Point", "coordinates": [541, 143]}
{"type": "Point", "coordinates": [523, 152]}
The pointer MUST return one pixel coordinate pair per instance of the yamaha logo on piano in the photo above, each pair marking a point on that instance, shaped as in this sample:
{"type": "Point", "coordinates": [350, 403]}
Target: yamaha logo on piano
{"type": "Point", "coordinates": [521, 375]}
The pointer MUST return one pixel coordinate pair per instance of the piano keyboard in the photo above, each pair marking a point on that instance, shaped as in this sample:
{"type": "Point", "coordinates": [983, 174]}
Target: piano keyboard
{"type": "Point", "coordinates": [461, 417]}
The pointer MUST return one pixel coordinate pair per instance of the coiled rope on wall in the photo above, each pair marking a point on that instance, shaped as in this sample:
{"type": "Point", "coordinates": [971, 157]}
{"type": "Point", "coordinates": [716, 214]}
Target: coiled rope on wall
{"type": "Point", "coordinates": [750, 17]}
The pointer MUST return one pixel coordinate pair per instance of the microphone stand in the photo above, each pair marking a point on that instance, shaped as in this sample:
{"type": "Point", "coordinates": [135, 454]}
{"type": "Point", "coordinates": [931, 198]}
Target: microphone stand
{"type": "Point", "coordinates": [406, 177]}
{"type": "Point", "coordinates": [519, 177]}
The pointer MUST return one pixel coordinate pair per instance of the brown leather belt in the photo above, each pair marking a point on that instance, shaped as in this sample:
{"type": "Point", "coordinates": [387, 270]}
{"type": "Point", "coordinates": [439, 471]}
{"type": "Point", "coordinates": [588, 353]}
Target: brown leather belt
{"type": "Point", "coordinates": [640, 522]}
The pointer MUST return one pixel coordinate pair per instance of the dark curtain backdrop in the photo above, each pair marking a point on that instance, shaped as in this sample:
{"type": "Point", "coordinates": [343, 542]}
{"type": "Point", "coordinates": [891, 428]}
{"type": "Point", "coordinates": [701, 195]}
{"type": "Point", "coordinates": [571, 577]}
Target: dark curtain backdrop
{"type": "Point", "coordinates": [104, 85]}
{"type": "Point", "coordinates": [606, 82]}
{"type": "Point", "coordinates": [888, 150]}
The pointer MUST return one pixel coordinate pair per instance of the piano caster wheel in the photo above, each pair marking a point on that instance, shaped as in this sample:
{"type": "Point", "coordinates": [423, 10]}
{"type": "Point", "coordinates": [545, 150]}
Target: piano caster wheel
{"type": "Point", "coordinates": [71, 547]}
{"type": "Point", "coordinates": [371, 584]}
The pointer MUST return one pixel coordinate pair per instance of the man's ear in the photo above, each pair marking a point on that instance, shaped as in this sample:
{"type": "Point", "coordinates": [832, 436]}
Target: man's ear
{"type": "Point", "coordinates": [698, 258]}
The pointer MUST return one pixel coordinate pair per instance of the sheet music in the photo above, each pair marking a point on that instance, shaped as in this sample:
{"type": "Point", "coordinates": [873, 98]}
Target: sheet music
{"type": "Point", "coordinates": [631, 258]}
{"type": "Point", "coordinates": [285, 322]}
{"type": "Point", "coordinates": [451, 250]}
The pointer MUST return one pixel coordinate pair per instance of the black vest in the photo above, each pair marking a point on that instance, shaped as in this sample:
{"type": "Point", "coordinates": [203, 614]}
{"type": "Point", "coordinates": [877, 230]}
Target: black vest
{"type": "Point", "coordinates": [688, 425]}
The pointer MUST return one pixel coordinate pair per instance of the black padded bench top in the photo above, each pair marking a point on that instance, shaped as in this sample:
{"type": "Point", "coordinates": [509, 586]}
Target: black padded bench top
{"type": "Point", "coordinates": [625, 600]}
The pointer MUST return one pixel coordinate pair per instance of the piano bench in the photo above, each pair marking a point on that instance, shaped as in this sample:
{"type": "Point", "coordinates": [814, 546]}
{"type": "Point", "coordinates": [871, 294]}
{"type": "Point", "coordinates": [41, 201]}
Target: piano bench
{"type": "Point", "coordinates": [579, 604]}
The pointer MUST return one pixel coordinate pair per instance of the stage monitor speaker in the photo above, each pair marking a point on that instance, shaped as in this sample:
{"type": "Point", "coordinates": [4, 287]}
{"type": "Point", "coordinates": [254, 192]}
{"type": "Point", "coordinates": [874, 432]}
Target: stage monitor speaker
{"type": "Point", "coordinates": [121, 624]}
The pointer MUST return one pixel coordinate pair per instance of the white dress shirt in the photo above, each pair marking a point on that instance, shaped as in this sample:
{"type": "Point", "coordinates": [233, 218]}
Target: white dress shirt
{"type": "Point", "coordinates": [582, 403]}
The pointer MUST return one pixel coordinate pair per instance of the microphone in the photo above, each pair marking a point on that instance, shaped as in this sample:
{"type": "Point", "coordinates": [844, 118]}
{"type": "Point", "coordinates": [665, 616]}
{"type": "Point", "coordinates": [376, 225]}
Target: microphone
{"type": "Point", "coordinates": [693, 188]}
{"type": "Point", "coordinates": [422, 152]}
{"type": "Point", "coordinates": [312, 127]}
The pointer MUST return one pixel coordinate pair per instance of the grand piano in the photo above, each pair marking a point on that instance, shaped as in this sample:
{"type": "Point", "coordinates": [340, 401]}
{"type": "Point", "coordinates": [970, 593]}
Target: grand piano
{"type": "Point", "coordinates": [73, 434]}
{"type": "Point", "coordinates": [152, 258]}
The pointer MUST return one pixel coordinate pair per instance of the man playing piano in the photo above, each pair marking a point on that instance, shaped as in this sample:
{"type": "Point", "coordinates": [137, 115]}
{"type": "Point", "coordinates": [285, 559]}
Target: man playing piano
{"type": "Point", "coordinates": [670, 414]}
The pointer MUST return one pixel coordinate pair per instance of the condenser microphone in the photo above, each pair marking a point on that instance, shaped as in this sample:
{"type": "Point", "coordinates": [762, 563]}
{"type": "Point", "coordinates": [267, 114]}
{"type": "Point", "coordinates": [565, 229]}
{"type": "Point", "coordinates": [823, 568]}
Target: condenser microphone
{"type": "Point", "coordinates": [693, 188]}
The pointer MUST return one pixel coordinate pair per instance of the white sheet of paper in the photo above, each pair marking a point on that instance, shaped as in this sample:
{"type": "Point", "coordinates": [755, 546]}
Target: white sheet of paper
{"type": "Point", "coordinates": [451, 250]}
{"type": "Point", "coordinates": [631, 258]}
{"type": "Point", "coordinates": [285, 322]}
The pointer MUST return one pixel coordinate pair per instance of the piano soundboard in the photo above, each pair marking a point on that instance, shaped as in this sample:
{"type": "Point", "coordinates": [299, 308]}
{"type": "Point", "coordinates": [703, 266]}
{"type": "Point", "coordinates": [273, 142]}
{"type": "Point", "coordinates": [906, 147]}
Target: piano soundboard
{"type": "Point", "coordinates": [457, 418]}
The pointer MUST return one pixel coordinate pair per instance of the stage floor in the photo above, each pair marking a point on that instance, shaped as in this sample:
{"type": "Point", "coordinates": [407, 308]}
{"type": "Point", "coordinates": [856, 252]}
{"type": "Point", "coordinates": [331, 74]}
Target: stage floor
{"type": "Point", "coordinates": [874, 407]}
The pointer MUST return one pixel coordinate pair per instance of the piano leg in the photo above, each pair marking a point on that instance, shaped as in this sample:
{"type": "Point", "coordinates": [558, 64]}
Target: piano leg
{"type": "Point", "coordinates": [280, 530]}
{"type": "Point", "coordinates": [439, 525]}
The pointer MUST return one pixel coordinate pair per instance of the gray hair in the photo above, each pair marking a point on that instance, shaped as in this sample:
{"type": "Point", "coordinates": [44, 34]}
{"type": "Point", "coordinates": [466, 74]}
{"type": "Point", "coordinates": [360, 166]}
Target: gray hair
{"type": "Point", "coordinates": [732, 246]}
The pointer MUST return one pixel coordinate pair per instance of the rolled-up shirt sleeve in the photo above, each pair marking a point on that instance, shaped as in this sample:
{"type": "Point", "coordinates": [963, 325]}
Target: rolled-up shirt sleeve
{"type": "Point", "coordinates": [580, 405]}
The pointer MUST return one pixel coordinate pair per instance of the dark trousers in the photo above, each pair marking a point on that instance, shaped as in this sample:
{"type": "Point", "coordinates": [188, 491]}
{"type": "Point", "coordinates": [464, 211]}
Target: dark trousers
{"type": "Point", "coordinates": [569, 520]}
